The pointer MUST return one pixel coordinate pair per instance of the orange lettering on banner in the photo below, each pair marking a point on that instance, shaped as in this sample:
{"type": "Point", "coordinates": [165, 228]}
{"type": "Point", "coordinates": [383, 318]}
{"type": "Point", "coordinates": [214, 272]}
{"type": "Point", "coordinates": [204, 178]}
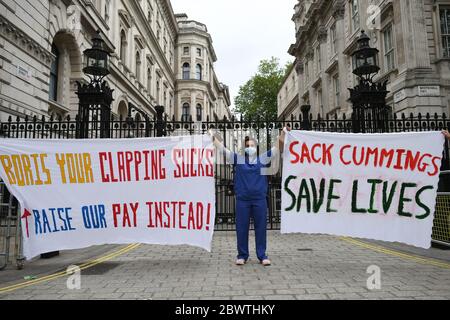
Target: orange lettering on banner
{"type": "Point", "coordinates": [75, 168]}
{"type": "Point", "coordinates": [26, 170]}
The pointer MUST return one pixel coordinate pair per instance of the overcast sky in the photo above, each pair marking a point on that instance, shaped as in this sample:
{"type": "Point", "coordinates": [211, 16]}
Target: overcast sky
{"type": "Point", "coordinates": [243, 32]}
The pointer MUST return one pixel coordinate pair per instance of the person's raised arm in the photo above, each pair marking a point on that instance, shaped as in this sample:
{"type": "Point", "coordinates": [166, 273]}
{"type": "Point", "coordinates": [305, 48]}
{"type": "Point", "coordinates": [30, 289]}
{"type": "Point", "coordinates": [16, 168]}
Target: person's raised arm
{"type": "Point", "coordinates": [281, 139]}
{"type": "Point", "coordinates": [279, 146]}
{"type": "Point", "coordinates": [218, 143]}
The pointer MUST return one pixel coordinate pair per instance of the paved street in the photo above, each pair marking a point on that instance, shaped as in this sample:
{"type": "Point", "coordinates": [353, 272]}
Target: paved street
{"type": "Point", "coordinates": [304, 267]}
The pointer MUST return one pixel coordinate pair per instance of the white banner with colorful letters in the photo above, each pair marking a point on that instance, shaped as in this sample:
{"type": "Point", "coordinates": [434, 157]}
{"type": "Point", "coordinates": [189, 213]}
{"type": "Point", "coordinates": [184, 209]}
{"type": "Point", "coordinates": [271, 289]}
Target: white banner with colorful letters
{"type": "Point", "coordinates": [79, 193]}
{"type": "Point", "coordinates": [375, 186]}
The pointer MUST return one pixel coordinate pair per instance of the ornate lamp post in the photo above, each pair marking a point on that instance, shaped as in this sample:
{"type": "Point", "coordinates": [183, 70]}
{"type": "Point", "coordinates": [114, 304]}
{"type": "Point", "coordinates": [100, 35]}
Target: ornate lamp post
{"type": "Point", "coordinates": [370, 112]}
{"type": "Point", "coordinates": [95, 98]}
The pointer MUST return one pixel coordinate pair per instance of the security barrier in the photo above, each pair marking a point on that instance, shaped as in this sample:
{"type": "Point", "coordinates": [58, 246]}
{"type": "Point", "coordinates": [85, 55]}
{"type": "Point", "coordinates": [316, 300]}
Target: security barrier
{"type": "Point", "coordinates": [10, 233]}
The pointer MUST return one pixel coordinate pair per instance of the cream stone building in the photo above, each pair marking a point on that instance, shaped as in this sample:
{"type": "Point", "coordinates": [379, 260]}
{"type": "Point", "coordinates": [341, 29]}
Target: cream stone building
{"type": "Point", "coordinates": [199, 92]}
{"type": "Point", "coordinates": [413, 37]}
{"type": "Point", "coordinates": [41, 56]}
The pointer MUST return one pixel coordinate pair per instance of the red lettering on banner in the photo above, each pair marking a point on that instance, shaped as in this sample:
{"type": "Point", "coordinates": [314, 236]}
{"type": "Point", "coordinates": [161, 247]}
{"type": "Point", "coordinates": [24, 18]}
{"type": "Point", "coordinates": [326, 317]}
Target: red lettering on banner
{"type": "Point", "coordinates": [125, 209]}
{"type": "Point", "coordinates": [193, 162]}
{"type": "Point", "coordinates": [127, 166]}
{"type": "Point", "coordinates": [179, 215]}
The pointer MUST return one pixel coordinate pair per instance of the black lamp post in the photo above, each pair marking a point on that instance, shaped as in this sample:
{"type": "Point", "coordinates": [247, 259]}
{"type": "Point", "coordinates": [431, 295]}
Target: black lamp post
{"type": "Point", "coordinates": [95, 98]}
{"type": "Point", "coordinates": [370, 113]}
{"type": "Point", "coordinates": [96, 59]}
{"type": "Point", "coordinates": [365, 58]}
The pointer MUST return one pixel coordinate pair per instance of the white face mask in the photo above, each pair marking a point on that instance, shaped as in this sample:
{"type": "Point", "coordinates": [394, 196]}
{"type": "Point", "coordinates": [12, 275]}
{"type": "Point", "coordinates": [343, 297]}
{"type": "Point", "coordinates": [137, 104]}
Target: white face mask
{"type": "Point", "coordinates": [250, 151]}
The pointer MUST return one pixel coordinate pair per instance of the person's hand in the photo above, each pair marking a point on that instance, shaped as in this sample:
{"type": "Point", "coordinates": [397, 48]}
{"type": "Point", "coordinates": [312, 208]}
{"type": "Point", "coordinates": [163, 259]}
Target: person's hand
{"type": "Point", "coordinates": [217, 139]}
{"type": "Point", "coordinates": [446, 134]}
{"type": "Point", "coordinates": [283, 132]}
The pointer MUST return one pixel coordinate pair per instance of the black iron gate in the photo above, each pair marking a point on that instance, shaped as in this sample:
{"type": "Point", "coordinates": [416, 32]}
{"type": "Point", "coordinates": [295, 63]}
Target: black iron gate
{"type": "Point", "coordinates": [234, 132]}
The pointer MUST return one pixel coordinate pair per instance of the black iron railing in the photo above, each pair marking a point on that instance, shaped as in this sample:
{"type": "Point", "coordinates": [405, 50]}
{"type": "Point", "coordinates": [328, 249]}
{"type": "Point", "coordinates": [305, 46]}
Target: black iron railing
{"type": "Point", "coordinates": [234, 131]}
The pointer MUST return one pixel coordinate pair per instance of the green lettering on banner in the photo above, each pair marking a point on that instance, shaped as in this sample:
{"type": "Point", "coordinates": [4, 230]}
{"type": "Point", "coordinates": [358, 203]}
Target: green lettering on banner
{"type": "Point", "coordinates": [331, 196]}
{"type": "Point", "coordinates": [387, 199]}
{"type": "Point", "coordinates": [374, 183]}
{"type": "Point", "coordinates": [403, 200]}
{"type": "Point", "coordinates": [355, 208]}
{"type": "Point", "coordinates": [289, 192]}
{"type": "Point", "coordinates": [304, 194]}
{"type": "Point", "coordinates": [318, 199]}
{"type": "Point", "coordinates": [421, 204]}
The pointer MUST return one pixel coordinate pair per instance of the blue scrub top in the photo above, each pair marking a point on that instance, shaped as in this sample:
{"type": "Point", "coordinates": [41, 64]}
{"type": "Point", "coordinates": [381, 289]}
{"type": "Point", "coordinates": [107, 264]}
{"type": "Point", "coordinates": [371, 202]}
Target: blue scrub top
{"type": "Point", "coordinates": [249, 181]}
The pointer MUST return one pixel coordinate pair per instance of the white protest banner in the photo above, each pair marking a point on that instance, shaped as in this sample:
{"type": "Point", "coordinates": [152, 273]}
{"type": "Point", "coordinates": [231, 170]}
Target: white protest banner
{"type": "Point", "coordinates": [78, 193]}
{"type": "Point", "coordinates": [374, 186]}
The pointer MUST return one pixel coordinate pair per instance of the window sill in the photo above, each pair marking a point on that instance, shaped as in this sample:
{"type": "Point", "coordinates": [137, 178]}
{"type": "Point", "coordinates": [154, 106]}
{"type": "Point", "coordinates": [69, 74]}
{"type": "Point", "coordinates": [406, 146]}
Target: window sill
{"type": "Point", "coordinates": [443, 59]}
{"type": "Point", "coordinates": [58, 106]}
{"type": "Point", "coordinates": [332, 67]}
{"type": "Point", "coordinates": [317, 82]}
{"type": "Point", "coordinates": [384, 76]}
{"type": "Point", "coordinates": [355, 34]}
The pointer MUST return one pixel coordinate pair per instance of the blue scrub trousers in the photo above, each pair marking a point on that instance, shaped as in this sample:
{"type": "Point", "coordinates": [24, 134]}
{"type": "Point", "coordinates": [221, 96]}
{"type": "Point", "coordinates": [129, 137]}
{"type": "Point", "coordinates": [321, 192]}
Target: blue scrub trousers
{"type": "Point", "coordinates": [257, 209]}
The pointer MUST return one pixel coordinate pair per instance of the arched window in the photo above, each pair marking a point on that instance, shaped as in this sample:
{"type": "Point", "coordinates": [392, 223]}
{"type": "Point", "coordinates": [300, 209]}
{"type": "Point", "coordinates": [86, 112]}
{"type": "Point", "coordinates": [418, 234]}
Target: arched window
{"type": "Point", "coordinates": [107, 6]}
{"type": "Point", "coordinates": [158, 92]}
{"type": "Point", "coordinates": [198, 72]}
{"type": "Point", "coordinates": [123, 46]}
{"type": "Point", "coordinates": [53, 92]}
{"type": "Point", "coordinates": [138, 66]}
{"type": "Point", "coordinates": [186, 71]}
{"type": "Point", "coordinates": [149, 80]}
{"type": "Point", "coordinates": [199, 112]}
{"type": "Point", "coordinates": [186, 112]}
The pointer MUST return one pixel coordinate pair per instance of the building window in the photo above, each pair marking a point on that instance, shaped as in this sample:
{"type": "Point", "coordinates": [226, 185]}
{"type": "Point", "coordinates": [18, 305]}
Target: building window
{"type": "Point", "coordinates": [199, 112]}
{"type": "Point", "coordinates": [318, 60]}
{"type": "Point", "coordinates": [389, 55]}
{"type": "Point", "coordinates": [158, 91]}
{"type": "Point", "coordinates": [186, 51]}
{"type": "Point", "coordinates": [307, 72]}
{"type": "Point", "coordinates": [319, 101]}
{"type": "Point", "coordinates": [355, 14]}
{"type": "Point", "coordinates": [149, 80]}
{"type": "Point", "coordinates": [123, 46]}
{"type": "Point", "coordinates": [337, 90]}
{"type": "Point", "coordinates": [107, 14]}
{"type": "Point", "coordinates": [53, 94]}
{"type": "Point", "coordinates": [138, 66]}
{"type": "Point", "coordinates": [445, 31]}
{"type": "Point", "coordinates": [186, 71]}
{"type": "Point", "coordinates": [198, 72]}
{"type": "Point", "coordinates": [186, 112]}
{"type": "Point", "coordinates": [199, 52]}
{"type": "Point", "coordinates": [333, 40]}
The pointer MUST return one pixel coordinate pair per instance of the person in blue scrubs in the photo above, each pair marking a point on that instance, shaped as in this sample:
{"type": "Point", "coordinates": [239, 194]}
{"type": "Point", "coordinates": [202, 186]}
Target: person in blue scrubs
{"type": "Point", "coordinates": [251, 188]}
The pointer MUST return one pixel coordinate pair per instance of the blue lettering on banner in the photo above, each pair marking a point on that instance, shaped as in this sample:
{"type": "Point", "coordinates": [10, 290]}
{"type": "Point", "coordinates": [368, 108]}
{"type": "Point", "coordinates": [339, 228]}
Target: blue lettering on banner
{"type": "Point", "coordinates": [59, 218]}
{"type": "Point", "coordinates": [94, 217]}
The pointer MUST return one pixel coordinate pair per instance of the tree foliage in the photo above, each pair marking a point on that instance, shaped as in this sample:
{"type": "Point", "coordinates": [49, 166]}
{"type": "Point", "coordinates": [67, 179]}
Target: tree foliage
{"type": "Point", "coordinates": [258, 97]}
